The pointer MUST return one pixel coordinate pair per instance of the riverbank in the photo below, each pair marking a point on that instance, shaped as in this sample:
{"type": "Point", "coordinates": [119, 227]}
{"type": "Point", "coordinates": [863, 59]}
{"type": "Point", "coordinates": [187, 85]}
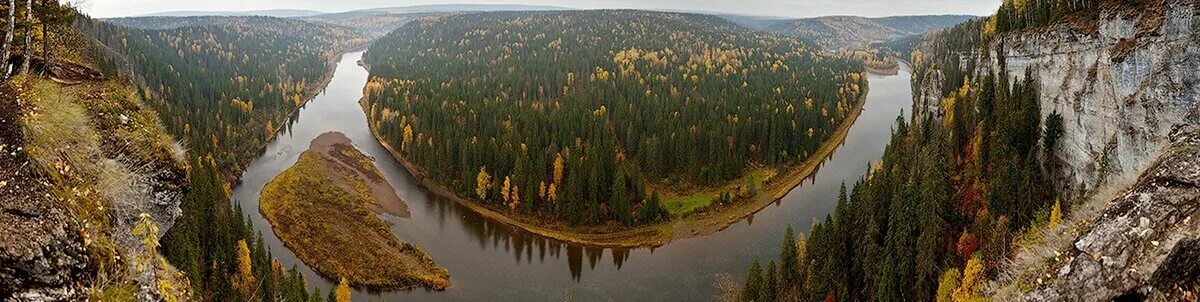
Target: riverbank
{"type": "Point", "coordinates": [324, 208]}
{"type": "Point", "coordinates": [310, 92]}
{"type": "Point", "coordinates": [687, 226]}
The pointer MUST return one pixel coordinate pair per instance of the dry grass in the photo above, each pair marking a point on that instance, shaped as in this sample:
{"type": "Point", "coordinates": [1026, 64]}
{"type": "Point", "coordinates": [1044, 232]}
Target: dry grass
{"type": "Point", "coordinates": [64, 147]}
{"type": "Point", "coordinates": [97, 143]}
{"type": "Point", "coordinates": [319, 209]}
{"type": "Point", "coordinates": [1041, 250]}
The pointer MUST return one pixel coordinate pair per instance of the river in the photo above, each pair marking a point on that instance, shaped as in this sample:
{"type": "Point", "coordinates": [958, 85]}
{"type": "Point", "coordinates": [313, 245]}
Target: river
{"type": "Point", "coordinates": [490, 261]}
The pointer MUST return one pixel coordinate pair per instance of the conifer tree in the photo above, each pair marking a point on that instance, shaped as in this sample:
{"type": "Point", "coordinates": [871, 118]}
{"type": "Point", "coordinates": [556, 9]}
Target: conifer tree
{"type": "Point", "coordinates": [788, 259]}
{"type": "Point", "coordinates": [770, 284]}
{"type": "Point", "coordinates": [753, 286]}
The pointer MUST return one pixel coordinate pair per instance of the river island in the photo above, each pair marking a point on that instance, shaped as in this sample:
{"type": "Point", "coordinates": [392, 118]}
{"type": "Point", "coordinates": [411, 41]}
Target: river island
{"type": "Point", "coordinates": [325, 208]}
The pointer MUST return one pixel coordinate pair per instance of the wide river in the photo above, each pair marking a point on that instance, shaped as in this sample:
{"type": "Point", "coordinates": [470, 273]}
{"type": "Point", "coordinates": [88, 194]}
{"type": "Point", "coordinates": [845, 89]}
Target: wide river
{"type": "Point", "coordinates": [489, 261]}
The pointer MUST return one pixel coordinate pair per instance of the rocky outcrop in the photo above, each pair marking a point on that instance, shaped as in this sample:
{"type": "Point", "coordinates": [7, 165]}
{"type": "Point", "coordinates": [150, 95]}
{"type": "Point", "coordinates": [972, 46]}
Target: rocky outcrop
{"type": "Point", "coordinates": [42, 252]}
{"type": "Point", "coordinates": [84, 161]}
{"type": "Point", "coordinates": [928, 101]}
{"type": "Point", "coordinates": [1146, 245]}
{"type": "Point", "coordinates": [1120, 83]}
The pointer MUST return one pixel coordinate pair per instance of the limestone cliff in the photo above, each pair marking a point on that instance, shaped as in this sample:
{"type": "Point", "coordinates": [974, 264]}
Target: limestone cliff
{"type": "Point", "coordinates": [1120, 84]}
{"type": "Point", "coordinates": [1128, 89]}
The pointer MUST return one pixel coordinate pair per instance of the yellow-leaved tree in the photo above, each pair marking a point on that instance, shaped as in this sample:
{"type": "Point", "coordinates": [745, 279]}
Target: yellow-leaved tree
{"type": "Point", "coordinates": [558, 168]}
{"type": "Point", "coordinates": [342, 293]}
{"type": "Point", "coordinates": [1056, 212]}
{"type": "Point", "coordinates": [504, 193]}
{"type": "Point", "coordinates": [408, 135]}
{"type": "Point", "coordinates": [972, 275]}
{"type": "Point", "coordinates": [482, 181]}
{"type": "Point", "coordinates": [244, 280]}
{"type": "Point", "coordinates": [947, 284]}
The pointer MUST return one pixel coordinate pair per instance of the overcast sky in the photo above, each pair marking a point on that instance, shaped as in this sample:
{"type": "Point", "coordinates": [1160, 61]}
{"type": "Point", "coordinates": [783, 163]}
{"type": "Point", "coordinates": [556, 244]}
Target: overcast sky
{"type": "Point", "coordinates": [788, 8]}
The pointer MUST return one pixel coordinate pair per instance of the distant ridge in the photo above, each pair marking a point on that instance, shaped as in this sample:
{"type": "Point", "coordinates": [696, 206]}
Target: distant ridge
{"type": "Point", "coordinates": [839, 32]}
{"type": "Point", "coordinates": [279, 13]}
{"type": "Point", "coordinates": [442, 8]}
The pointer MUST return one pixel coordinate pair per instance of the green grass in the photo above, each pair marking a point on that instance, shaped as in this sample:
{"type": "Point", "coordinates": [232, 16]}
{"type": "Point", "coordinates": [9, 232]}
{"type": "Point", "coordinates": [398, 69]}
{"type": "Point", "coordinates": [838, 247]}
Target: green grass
{"type": "Point", "coordinates": [683, 204]}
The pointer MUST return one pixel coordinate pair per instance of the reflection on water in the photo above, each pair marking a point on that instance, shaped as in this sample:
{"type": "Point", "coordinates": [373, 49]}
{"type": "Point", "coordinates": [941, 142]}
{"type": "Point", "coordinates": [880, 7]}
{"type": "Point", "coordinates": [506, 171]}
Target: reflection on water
{"type": "Point", "coordinates": [491, 261]}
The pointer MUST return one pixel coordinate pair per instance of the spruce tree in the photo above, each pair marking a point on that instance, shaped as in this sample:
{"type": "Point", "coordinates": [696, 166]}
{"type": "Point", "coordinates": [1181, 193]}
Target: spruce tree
{"type": "Point", "coordinates": [753, 284]}
{"type": "Point", "coordinates": [788, 259]}
{"type": "Point", "coordinates": [770, 284]}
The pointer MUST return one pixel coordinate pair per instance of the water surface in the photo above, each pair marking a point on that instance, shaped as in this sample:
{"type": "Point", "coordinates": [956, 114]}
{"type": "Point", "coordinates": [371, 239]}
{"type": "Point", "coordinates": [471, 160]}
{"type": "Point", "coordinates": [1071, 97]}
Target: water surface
{"type": "Point", "coordinates": [489, 261]}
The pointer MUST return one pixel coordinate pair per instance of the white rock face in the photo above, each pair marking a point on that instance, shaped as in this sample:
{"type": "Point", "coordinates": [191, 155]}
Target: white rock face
{"type": "Point", "coordinates": [1119, 89]}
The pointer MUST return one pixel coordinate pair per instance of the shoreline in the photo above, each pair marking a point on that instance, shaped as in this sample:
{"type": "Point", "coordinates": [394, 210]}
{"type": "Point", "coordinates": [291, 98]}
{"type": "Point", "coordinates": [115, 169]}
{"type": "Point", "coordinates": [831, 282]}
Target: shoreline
{"type": "Point", "coordinates": [309, 96]}
{"type": "Point", "coordinates": [687, 226]}
{"type": "Point", "coordinates": [292, 214]}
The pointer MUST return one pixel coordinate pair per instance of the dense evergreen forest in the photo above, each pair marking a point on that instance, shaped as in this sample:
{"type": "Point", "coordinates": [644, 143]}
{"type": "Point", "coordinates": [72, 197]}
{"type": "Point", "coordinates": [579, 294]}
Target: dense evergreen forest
{"type": "Point", "coordinates": [580, 115]}
{"type": "Point", "coordinates": [956, 188]}
{"type": "Point", "coordinates": [225, 88]}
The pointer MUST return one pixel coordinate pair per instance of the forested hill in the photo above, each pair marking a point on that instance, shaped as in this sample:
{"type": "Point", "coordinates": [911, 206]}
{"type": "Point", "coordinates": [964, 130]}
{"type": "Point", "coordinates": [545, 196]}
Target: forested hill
{"type": "Point", "coordinates": [228, 85]}
{"type": "Point", "coordinates": [574, 115]}
{"type": "Point", "coordinates": [371, 23]}
{"type": "Point", "coordinates": [166, 22]}
{"type": "Point", "coordinates": [224, 88]}
{"type": "Point", "coordinates": [279, 13]}
{"type": "Point", "coordinates": [852, 31]}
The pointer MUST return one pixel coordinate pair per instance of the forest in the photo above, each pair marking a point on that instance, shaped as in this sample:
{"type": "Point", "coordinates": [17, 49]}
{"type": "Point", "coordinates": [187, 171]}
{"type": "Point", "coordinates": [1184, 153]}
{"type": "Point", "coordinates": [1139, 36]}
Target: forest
{"type": "Point", "coordinates": [585, 116]}
{"type": "Point", "coordinates": [225, 88]}
{"type": "Point", "coordinates": [957, 187]}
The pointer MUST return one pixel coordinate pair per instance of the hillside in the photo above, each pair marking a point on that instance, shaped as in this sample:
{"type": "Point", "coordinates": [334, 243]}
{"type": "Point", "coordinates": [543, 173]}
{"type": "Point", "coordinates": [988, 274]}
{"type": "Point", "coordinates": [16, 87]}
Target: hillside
{"type": "Point", "coordinates": [602, 118]}
{"type": "Point", "coordinates": [252, 72]}
{"type": "Point", "coordinates": [278, 13]}
{"type": "Point", "coordinates": [90, 178]}
{"type": "Point", "coordinates": [449, 8]}
{"type": "Point", "coordinates": [377, 22]}
{"type": "Point", "coordinates": [225, 89]}
{"type": "Point", "coordinates": [1055, 161]}
{"type": "Point", "coordinates": [372, 23]}
{"type": "Point", "coordinates": [839, 32]}
{"type": "Point", "coordinates": [172, 22]}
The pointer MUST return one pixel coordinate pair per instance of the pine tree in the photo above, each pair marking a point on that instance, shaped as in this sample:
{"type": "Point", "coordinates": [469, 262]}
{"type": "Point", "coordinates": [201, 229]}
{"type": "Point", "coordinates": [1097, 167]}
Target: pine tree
{"type": "Point", "coordinates": [770, 285]}
{"type": "Point", "coordinates": [788, 259]}
{"type": "Point", "coordinates": [753, 286]}
{"type": "Point", "coordinates": [620, 200]}
{"type": "Point", "coordinates": [651, 210]}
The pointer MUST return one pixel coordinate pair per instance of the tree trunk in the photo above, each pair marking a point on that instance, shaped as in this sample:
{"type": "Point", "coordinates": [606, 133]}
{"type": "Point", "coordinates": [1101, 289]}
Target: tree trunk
{"type": "Point", "coordinates": [28, 36]}
{"type": "Point", "coordinates": [8, 39]}
{"type": "Point", "coordinates": [45, 41]}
